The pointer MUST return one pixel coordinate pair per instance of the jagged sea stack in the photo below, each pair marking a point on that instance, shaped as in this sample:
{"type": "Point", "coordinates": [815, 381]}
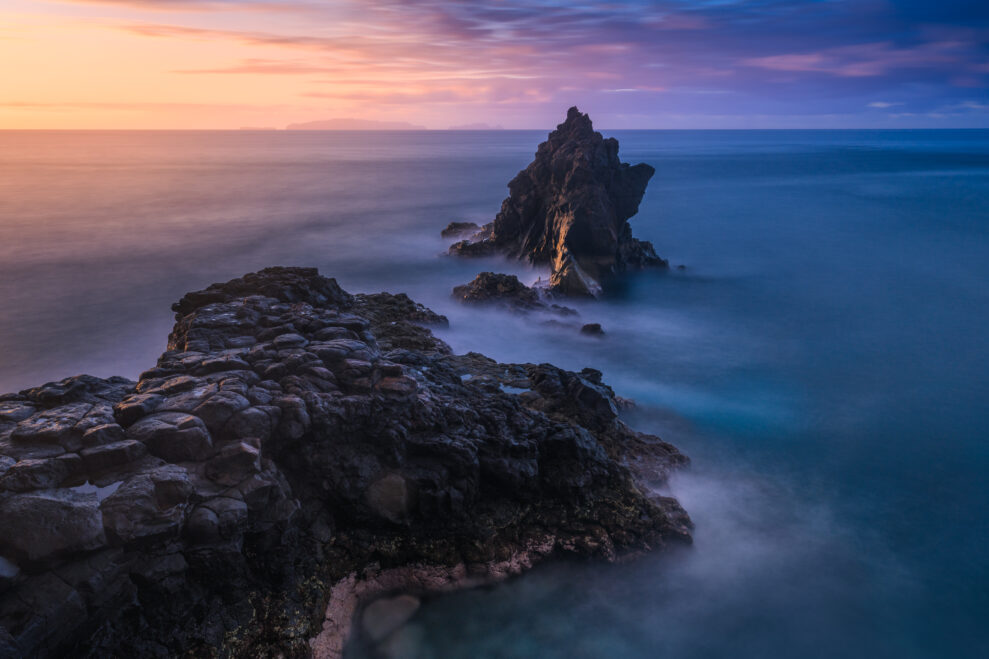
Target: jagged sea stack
{"type": "Point", "coordinates": [569, 209]}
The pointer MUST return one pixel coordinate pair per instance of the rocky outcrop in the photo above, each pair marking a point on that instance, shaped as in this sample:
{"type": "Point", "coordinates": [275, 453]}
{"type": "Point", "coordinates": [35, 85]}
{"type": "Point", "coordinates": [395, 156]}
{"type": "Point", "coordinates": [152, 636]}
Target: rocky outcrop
{"type": "Point", "coordinates": [569, 209]}
{"type": "Point", "coordinates": [295, 451]}
{"type": "Point", "coordinates": [458, 229]}
{"type": "Point", "coordinates": [506, 291]}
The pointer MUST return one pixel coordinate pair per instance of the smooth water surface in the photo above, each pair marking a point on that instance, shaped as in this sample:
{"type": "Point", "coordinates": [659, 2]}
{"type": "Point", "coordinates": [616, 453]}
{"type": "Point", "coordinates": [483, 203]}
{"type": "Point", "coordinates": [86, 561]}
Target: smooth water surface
{"type": "Point", "coordinates": [822, 358]}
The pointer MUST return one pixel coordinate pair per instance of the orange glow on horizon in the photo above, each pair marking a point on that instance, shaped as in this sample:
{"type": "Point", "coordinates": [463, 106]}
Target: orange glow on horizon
{"type": "Point", "coordinates": [226, 64]}
{"type": "Point", "coordinates": [87, 71]}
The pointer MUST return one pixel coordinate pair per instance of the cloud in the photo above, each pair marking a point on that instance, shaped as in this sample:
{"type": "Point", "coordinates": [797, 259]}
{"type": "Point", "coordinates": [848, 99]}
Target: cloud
{"type": "Point", "coordinates": [774, 57]}
{"type": "Point", "coordinates": [175, 5]}
{"type": "Point", "coordinates": [263, 67]}
{"type": "Point", "coordinates": [868, 59]}
{"type": "Point", "coordinates": [972, 106]}
{"type": "Point", "coordinates": [121, 105]}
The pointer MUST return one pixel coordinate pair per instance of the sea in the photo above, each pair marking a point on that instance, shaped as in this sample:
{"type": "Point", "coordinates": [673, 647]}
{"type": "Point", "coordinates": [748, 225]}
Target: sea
{"type": "Point", "coordinates": [823, 356]}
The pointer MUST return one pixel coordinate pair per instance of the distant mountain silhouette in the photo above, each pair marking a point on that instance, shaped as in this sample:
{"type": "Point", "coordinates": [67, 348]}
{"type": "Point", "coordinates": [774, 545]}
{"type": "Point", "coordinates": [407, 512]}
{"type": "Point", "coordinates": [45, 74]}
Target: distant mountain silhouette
{"type": "Point", "coordinates": [477, 126]}
{"type": "Point", "coordinates": [354, 124]}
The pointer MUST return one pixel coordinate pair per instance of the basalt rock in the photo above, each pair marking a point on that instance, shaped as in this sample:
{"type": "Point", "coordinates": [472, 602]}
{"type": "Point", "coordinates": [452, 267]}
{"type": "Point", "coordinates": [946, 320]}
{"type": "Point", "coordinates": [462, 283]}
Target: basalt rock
{"type": "Point", "coordinates": [294, 448]}
{"type": "Point", "coordinates": [569, 209]}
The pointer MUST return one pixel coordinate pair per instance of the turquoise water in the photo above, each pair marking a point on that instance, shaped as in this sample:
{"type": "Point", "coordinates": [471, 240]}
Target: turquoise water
{"type": "Point", "coordinates": [822, 358]}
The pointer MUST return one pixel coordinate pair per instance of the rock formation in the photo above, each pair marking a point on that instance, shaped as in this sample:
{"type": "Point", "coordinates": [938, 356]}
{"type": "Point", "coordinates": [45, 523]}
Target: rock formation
{"type": "Point", "coordinates": [495, 289]}
{"type": "Point", "coordinates": [297, 451]}
{"type": "Point", "coordinates": [457, 229]}
{"type": "Point", "coordinates": [569, 209]}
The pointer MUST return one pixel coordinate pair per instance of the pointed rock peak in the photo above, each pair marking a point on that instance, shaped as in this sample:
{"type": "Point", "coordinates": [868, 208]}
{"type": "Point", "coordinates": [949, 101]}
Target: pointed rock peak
{"type": "Point", "coordinates": [577, 123]}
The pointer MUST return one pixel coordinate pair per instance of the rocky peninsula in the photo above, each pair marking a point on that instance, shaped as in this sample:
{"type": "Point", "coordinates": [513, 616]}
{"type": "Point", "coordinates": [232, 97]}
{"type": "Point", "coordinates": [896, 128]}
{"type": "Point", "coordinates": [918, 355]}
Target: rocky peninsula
{"type": "Point", "coordinates": [299, 452]}
{"type": "Point", "coordinates": [569, 210]}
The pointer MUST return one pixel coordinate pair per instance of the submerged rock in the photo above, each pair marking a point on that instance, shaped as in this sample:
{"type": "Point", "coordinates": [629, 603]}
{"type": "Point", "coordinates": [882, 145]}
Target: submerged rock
{"type": "Point", "coordinates": [569, 209]}
{"type": "Point", "coordinates": [592, 329]}
{"type": "Point", "coordinates": [295, 452]}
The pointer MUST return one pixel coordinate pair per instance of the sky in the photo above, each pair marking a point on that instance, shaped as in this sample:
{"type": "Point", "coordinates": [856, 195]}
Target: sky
{"type": "Point", "coordinates": [206, 64]}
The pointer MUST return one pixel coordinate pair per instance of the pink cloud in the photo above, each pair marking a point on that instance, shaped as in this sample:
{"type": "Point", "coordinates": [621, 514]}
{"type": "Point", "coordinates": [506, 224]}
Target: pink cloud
{"type": "Point", "coordinates": [865, 60]}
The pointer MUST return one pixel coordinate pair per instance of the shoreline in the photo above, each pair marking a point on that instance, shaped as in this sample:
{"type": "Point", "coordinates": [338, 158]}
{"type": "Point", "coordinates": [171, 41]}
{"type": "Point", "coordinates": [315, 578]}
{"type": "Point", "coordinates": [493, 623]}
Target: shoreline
{"type": "Point", "coordinates": [296, 453]}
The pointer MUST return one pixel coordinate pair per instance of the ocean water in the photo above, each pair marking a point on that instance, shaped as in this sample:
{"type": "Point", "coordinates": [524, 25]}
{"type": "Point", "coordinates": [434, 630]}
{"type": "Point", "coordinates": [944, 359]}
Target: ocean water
{"type": "Point", "coordinates": [822, 358]}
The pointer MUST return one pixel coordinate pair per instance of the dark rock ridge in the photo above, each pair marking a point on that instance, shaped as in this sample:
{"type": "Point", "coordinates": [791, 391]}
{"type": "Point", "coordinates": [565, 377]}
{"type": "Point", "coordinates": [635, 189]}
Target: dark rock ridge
{"type": "Point", "coordinates": [569, 209]}
{"type": "Point", "coordinates": [295, 450]}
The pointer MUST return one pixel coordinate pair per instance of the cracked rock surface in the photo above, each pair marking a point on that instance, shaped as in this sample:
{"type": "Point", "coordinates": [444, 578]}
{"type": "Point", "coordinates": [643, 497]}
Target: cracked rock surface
{"type": "Point", "coordinates": [291, 435]}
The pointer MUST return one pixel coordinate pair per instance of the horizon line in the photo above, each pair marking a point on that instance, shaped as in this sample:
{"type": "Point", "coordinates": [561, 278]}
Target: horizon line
{"type": "Point", "coordinates": [461, 130]}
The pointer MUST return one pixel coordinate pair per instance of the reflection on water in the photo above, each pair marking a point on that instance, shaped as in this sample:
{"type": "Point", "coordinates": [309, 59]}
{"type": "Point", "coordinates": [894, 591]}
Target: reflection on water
{"type": "Point", "coordinates": [822, 358]}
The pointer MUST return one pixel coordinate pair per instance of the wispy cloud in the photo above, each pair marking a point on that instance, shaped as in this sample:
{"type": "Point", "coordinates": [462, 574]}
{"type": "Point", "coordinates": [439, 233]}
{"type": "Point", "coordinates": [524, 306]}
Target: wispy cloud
{"type": "Point", "coordinates": [518, 61]}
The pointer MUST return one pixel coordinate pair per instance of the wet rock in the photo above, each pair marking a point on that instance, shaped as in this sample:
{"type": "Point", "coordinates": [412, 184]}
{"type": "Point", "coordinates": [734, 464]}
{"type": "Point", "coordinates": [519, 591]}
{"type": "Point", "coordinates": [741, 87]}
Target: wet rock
{"type": "Point", "coordinates": [569, 209]}
{"type": "Point", "coordinates": [291, 340]}
{"type": "Point", "coordinates": [478, 247]}
{"type": "Point", "coordinates": [80, 388]}
{"type": "Point", "coordinates": [290, 435]}
{"type": "Point", "coordinates": [14, 411]}
{"type": "Point", "coordinates": [233, 463]}
{"type": "Point", "coordinates": [51, 426]}
{"type": "Point", "coordinates": [173, 436]}
{"type": "Point", "coordinates": [106, 433]}
{"type": "Point", "coordinates": [38, 474]}
{"type": "Point", "coordinates": [506, 291]}
{"type": "Point", "coordinates": [457, 229]}
{"type": "Point", "coordinates": [219, 408]}
{"type": "Point", "coordinates": [49, 523]}
{"type": "Point", "coordinates": [134, 407]}
{"type": "Point", "coordinates": [222, 363]}
{"type": "Point", "coordinates": [115, 454]}
{"type": "Point", "coordinates": [283, 284]}
{"type": "Point", "coordinates": [146, 508]}
{"type": "Point", "coordinates": [249, 422]}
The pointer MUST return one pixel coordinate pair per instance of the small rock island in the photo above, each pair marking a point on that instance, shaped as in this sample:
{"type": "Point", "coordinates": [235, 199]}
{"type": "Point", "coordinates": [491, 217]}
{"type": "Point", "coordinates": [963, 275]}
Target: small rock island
{"type": "Point", "coordinates": [569, 210]}
{"type": "Point", "coordinates": [298, 452]}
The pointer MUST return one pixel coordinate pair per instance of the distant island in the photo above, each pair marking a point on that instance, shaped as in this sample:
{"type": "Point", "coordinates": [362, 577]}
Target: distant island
{"type": "Point", "coordinates": [476, 126]}
{"type": "Point", "coordinates": [354, 124]}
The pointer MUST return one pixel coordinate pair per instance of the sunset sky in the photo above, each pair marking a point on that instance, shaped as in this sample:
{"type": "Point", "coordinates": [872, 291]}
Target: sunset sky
{"type": "Point", "coordinates": [514, 63]}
